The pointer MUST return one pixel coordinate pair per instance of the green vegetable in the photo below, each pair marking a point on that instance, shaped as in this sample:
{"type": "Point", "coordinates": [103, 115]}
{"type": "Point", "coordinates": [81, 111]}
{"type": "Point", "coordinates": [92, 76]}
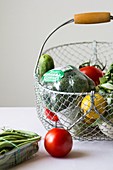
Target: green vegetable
{"type": "Point", "coordinates": [106, 89]}
{"type": "Point", "coordinates": [67, 79]}
{"type": "Point", "coordinates": [106, 82]}
{"type": "Point", "coordinates": [46, 63]}
{"type": "Point", "coordinates": [11, 139]}
{"type": "Point", "coordinates": [107, 86]}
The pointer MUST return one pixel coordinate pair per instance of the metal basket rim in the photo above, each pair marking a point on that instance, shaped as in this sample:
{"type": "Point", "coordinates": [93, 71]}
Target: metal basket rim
{"type": "Point", "coordinates": [59, 92]}
{"type": "Point", "coordinates": [71, 43]}
{"type": "Point", "coordinates": [79, 42]}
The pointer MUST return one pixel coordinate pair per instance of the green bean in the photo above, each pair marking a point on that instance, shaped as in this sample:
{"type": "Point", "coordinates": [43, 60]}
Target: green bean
{"type": "Point", "coordinates": [24, 143]}
{"type": "Point", "coordinates": [6, 144]}
{"type": "Point", "coordinates": [26, 140]}
{"type": "Point", "coordinates": [21, 132]}
{"type": "Point", "coordinates": [3, 151]}
{"type": "Point", "coordinates": [15, 133]}
{"type": "Point", "coordinates": [10, 133]}
{"type": "Point", "coordinates": [10, 139]}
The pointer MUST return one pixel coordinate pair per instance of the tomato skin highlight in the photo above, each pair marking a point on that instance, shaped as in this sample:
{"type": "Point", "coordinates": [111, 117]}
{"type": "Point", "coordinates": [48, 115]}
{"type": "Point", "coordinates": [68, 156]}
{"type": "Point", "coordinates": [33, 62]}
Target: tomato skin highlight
{"type": "Point", "coordinates": [51, 116]}
{"type": "Point", "coordinates": [93, 73]}
{"type": "Point", "coordinates": [58, 142]}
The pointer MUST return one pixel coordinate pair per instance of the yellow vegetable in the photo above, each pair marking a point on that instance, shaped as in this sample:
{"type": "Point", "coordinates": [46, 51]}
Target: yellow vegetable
{"type": "Point", "coordinates": [88, 121]}
{"type": "Point", "coordinates": [93, 107]}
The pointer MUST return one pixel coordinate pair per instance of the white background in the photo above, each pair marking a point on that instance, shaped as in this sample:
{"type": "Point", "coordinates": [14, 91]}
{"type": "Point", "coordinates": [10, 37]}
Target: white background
{"type": "Point", "coordinates": [24, 25]}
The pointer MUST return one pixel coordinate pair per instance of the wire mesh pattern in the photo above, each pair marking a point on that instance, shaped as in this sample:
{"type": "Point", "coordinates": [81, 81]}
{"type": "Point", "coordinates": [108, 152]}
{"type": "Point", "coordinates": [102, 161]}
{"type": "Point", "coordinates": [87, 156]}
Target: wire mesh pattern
{"type": "Point", "coordinates": [67, 105]}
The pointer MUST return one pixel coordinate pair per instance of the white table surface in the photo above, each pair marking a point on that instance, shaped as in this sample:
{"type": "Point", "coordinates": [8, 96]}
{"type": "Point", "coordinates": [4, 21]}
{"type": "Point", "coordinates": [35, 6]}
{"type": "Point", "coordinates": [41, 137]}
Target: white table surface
{"type": "Point", "coordinates": [84, 155]}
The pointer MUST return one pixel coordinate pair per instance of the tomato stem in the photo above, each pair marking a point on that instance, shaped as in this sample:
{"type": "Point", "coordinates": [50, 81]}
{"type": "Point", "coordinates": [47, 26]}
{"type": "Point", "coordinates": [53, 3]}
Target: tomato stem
{"type": "Point", "coordinates": [101, 67]}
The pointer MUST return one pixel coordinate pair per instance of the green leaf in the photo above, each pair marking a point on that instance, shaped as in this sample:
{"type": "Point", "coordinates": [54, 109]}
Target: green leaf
{"type": "Point", "coordinates": [107, 86]}
{"type": "Point", "coordinates": [103, 80]}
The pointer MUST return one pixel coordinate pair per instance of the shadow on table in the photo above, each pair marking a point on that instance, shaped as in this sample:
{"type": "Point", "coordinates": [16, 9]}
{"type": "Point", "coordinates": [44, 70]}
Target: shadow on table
{"type": "Point", "coordinates": [77, 154]}
{"type": "Point", "coordinates": [40, 156]}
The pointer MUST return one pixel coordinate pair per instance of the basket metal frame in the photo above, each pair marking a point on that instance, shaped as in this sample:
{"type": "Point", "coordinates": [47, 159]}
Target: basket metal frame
{"type": "Point", "coordinates": [94, 45]}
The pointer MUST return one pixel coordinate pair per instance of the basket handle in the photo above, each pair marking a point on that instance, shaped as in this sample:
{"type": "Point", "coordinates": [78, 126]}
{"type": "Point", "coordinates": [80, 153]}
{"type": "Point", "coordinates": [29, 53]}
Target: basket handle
{"type": "Point", "coordinates": [83, 18]}
{"type": "Point", "coordinates": [92, 18]}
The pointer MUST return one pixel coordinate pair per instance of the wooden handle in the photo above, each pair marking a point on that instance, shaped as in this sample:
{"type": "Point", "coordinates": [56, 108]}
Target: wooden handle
{"type": "Point", "coordinates": [92, 18]}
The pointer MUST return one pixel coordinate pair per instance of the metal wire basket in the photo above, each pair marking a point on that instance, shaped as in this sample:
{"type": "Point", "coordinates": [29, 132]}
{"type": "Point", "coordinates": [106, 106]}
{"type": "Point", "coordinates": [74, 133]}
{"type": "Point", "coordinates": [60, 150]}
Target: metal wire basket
{"type": "Point", "coordinates": [67, 105]}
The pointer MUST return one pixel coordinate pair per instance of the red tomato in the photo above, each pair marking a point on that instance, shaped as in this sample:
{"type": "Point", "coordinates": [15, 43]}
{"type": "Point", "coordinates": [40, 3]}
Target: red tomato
{"type": "Point", "coordinates": [50, 115]}
{"type": "Point", "coordinates": [93, 73]}
{"type": "Point", "coordinates": [58, 142]}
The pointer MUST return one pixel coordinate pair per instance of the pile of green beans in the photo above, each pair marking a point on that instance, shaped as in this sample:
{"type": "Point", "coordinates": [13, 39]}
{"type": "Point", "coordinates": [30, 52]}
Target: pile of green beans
{"type": "Point", "coordinates": [11, 139]}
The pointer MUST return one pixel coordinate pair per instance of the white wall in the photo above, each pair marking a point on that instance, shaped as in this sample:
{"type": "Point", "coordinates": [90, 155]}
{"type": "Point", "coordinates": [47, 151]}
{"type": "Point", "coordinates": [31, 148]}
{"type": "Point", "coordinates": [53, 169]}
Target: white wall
{"type": "Point", "coordinates": [24, 25]}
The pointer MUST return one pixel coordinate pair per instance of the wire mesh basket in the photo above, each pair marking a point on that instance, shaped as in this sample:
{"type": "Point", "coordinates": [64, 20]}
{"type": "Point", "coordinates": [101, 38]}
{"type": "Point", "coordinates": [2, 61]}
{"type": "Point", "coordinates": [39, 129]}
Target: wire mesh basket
{"type": "Point", "coordinates": [65, 106]}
